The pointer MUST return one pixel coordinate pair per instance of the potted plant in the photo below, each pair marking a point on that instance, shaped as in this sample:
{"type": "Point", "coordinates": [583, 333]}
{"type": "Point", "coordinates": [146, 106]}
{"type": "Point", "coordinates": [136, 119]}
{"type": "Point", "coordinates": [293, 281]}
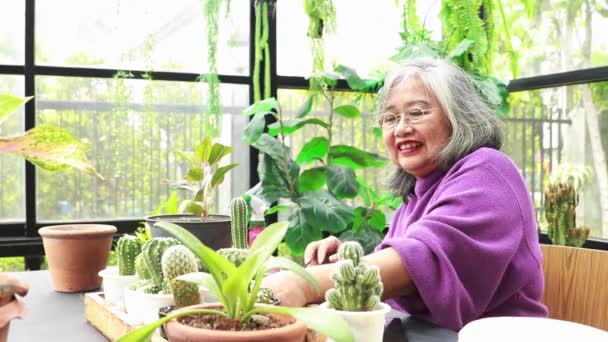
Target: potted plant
{"type": "Point", "coordinates": [357, 293]}
{"type": "Point", "coordinates": [561, 200]}
{"type": "Point", "coordinates": [116, 279]}
{"type": "Point", "coordinates": [204, 175]}
{"type": "Point", "coordinates": [237, 309]}
{"type": "Point", "coordinates": [10, 306]}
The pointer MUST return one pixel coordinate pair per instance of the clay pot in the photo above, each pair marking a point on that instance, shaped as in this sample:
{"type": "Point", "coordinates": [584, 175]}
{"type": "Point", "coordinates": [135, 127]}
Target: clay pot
{"type": "Point", "coordinates": [76, 253]}
{"type": "Point", "coordinates": [10, 306]}
{"type": "Point", "coordinates": [177, 332]}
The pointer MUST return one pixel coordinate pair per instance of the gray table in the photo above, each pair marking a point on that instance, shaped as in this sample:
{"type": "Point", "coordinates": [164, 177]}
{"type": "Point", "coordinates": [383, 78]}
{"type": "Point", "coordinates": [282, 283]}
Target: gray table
{"type": "Point", "coordinates": [55, 316]}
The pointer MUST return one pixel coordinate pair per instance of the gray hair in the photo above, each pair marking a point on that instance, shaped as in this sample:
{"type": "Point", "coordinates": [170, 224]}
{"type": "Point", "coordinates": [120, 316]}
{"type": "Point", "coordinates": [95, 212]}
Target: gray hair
{"type": "Point", "coordinates": [473, 121]}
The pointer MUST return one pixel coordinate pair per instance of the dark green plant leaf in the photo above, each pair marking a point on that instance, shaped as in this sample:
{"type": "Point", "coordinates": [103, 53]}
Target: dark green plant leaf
{"type": "Point", "coordinates": [9, 104]}
{"type": "Point", "coordinates": [272, 147]}
{"type": "Point", "coordinates": [354, 158]}
{"type": "Point", "coordinates": [263, 107]}
{"type": "Point", "coordinates": [355, 225]}
{"type": "Point", "coordinates": [375, 219]}
{"type": "Point", "coordinates": [274, 182]}
{"type": "Point", "coordinates": [218, 151]}
{"type": "Point", "coordinates": [314, 149]}
{"type": "Point", "coordinates": [203, 150]}
{"type": "Point", "coordinates": [367, 237]}
{"type": "Point", "coordinates": [194, 175]}
{"type": "Point", "coordinates": [321, 209]}
{"type": "Point", "coordinates": [218, 175]}
{"type": "Point", "coordinates": [300, 233]}
{"type": "Point", "coordinates": [254, 129]}
{"type": "Point", "coordinates": [348, 111]}
{"type": "Point", "coordinates": [342, 181]}
{"type": "Point", "coordinates": [461, 48]}
{"type": "Point", "coordinates": [312, 179]}
{"type": "Point", "coordinates": [306, 107]}
{"type": "Point", "coordinates": [292, 125]}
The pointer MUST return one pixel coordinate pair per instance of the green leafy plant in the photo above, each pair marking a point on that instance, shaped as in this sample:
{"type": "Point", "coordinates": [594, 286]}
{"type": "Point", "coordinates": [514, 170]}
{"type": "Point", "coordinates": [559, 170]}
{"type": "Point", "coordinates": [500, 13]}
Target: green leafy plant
{"type": "Point", "coordinates": [358, 285]}
{"type": "Point", "coordinates": [321, 18]}
{"type": "Point", "coordinates": [561, 200]}
{"type": "Point", "coordinates": [204, 175]}
{"type": "Point", "coordinates": [48, 147]}
{"type": "Point", "coordinates": [317, 184]}
{"type": "Point", "coordinates": [231, 285]}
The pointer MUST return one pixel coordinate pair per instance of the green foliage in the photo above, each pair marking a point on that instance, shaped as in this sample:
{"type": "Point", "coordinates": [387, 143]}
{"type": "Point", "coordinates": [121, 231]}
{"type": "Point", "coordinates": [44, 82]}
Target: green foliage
{"type": "Point", "coordinates": [152, 252]}
{"type": "Point", "coordinates": [322, 175]}
{"type": "Point", "coordinates": [48, 147]}
{"type": "Point", "coordinates": [358, 285]}
{"type": "Point", "coordinates": [128, 248]}
{"type": "Point", "coordinates": [231, 285]}
{"type": "Point", "coordinates": [204, 175]}
{"type": "Point", "coordinates": [322, 17]}
{"type": "Point", "coordinates": [261, 47]}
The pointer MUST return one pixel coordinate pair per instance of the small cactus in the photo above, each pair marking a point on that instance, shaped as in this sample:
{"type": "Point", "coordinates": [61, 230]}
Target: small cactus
{"type": "Point", "coordinates": [141, 269]}
{"type": "Point", "coordinates": [128, 248]}
{"type": "Point", "coordinates": [178, 260]}
{"type": "Point", "coordinates": [236, 256]}
{"type": "Point", "coordinates": [239, 222]}
{"type": "Point", "coordinates": [358, 285]}
{"type": "Point", "coordinates": [152, 252]}
{"type": "Point", "coordinates": [265, 296]}
{"type": "Point", "coordinates": [560, 211]}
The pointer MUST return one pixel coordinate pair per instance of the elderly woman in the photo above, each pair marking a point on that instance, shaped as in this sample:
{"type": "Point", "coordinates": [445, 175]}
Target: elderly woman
{"type": "Point", "coordinates": [464, 243]}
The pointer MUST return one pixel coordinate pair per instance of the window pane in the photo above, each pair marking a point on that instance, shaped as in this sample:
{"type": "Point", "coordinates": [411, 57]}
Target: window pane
{"type": "Point", "coordinates": [146, 35]}
{"type": "Point", "coordinates": [558, 38]}
{"type": "Point", "coordinates": [564, 129]}
{"type": "Point", "coordinates": [133, 127]}
{"type": "Point", "coordinates": [367, 34]}
{"type": "Point", "coordinates": [12, 168]}
{"type": "Point", "coordinates": [12, 32]}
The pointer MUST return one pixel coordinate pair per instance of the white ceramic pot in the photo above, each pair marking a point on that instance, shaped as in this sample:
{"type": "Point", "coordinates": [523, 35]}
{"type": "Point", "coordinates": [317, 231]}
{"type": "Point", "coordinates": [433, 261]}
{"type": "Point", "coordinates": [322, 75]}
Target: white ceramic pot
{"type": "Point", "coordinates": [114, 285]}
{"type": "Point", "coordinates": [143, 307]}
{"type": "Point", "coordinates": [367, 326]}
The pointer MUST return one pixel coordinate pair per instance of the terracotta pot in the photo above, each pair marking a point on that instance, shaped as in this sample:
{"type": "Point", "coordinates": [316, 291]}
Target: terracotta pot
{"type": "Point", "coordinates": [76, 253]}
{"type": "Point", "coordinates": [177, 332]}
{"type": "Point", "coordinates": [10, 306]}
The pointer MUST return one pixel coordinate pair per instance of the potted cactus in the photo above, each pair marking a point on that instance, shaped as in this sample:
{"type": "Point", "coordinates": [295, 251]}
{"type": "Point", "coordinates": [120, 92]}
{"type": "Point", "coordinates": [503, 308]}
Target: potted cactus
{"type": "Point", "coordinates": [116, 279]}
{"type": "Point", "coordinates": [203, 177]}
{"type": "Point", "coordinates": [161, 261]}
{"type": "Point", "coordinates": [357, 293]}
{"type": "Point", "coordinates": [561, 200]}
{"type": "Point", "coordinates": [237, 317]}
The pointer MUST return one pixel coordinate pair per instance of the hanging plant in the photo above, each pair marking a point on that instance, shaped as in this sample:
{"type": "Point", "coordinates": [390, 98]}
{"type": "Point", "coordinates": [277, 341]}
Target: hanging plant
{"type": "Point", "coordinates": [262, 7]}
{"type": "Point", "coordinates": [322, 18]}
{"type": "Point", "coordinates": [213, 112]}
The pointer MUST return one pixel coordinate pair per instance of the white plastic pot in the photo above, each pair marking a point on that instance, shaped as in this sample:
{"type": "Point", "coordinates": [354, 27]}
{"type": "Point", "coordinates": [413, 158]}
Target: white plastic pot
{"type": "Point", "coordinates": [143, 307]}
{"type": "Point", "coordinates": [114, 285]}
{"type": "Point", "coordinates": [367, 326]}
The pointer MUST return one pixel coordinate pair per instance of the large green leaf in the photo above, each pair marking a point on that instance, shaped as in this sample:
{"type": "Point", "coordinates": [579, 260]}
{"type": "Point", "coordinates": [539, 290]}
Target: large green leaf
{"type": "Point", "coordinates": [325, 322]}
{"type": "Point", "coordinates": [348, 111]}
{"type": "Point", "coordinates": [9, 104]}
{"type": "Point", "coordinates": [300, 232]}
{"type": "Point", "coordinates": [292, 125]}
{"type": "Point", "coordinates": [312, 179]}
{"type": "Point", "coordinates": [342, 181]}
{"type": "Point", "coordinates": [50, 148]}
{"type": "Point", "coordinates": [218, 151]}
{"type": "Point", "coordinates": [376, 220]}
{"type": "Point", "coordinates": [354, 81]}
{"type": "Point", "coordinates": [274, 182]}
{"type": "Point", "coordinates": [203, 150]}
{"type": "Point", "coordinates": [194, 175]}
{"type": "Point", "coordinates": [263, 107]}
{"type": "Point", "coordinates": [272, 147]}
{"type": "Point", "coordinates": [354, 158]}
{"type": "Point", "coordinates": [314, 149]}
{"type": "Point", "coordinates": [321, 209]}
{"type": "Point", "coordinates": [218, 175]}
{"type": "Point", "coordinates": [255, 128]}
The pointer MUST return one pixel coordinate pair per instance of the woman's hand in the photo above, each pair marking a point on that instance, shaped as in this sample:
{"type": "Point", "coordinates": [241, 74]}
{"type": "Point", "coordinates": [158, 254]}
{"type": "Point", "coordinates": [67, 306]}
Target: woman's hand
{"type": "Point", "coordinates": [288, 287]}
{"type": "Point", "coordinates": [322, 252]}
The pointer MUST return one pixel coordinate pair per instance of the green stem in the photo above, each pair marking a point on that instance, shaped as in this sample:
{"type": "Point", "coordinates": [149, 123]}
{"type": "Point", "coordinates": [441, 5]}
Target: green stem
{"type": "Point", "coordinates": [257, 57]}
{"type": "Point", "coordinates": [284, 163]}
{"type": "Point", "coordinates": [266, 50]}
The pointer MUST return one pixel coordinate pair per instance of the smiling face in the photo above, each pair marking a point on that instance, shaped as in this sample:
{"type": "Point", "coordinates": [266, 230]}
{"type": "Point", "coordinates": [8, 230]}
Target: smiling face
{"type": "Point", "coordinates": [415, 147]}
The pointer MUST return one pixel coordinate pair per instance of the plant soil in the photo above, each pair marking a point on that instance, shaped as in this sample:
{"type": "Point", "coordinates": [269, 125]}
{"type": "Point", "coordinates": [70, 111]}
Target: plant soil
{"type": "Point", "coordinates": [216, 322]}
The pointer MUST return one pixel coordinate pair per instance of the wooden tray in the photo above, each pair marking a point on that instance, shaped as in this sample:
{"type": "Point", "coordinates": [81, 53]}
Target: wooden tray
{"type": "Point", "coordinates": [114, 323]}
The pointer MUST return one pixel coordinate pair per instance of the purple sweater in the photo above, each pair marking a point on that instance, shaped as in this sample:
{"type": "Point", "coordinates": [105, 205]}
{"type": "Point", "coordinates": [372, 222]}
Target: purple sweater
{"type": "Point", "coordinates": [469, 242]}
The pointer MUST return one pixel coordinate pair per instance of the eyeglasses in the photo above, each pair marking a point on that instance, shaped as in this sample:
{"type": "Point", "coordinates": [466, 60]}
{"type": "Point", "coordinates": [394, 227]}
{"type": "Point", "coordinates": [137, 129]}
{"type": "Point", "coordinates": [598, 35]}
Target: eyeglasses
{"type": "Point", "coordinates": [390, 120]}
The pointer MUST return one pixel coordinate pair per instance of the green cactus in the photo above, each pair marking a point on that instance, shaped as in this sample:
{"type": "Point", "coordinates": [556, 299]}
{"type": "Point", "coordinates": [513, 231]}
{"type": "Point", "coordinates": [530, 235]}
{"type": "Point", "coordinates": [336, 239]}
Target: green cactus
{"type": "Point", "coordinates": [178, 260]}
{"type": "Point", "coordinates": [235, 255]}
{"type": "Point", "coordinates": [358, 285]}
{"type": "Point", "coordinates": [265, 296]}
{"type": "Point", "coordinates": [560, 211]}
{"type": "Point", "coordinates": [145, 286]}
{"type": "Point", "coordinates": [141, 269]}
{"type": "Point", "coordinates": [152, 252]}
{"type": "Point", "coordinates": [239, 222]}
{"type": "Point", "coordinates": [128, 248]}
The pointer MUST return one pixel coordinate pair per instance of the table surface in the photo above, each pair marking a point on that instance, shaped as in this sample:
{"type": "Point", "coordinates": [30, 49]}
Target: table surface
{"type": "Point", "coordinates": [55, 316]}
